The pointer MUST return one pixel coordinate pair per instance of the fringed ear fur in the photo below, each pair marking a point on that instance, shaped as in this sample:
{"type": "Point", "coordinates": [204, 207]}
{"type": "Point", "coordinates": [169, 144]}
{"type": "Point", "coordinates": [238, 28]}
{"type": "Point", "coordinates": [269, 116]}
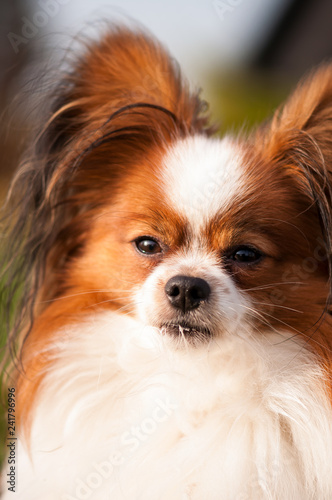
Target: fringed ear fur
{"type": "Point", "coordinates": [299, 138]}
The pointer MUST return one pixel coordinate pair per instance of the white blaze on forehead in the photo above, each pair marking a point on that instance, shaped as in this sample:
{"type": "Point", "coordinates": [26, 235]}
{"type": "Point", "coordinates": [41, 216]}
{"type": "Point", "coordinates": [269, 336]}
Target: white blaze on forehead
{"type": "Point", "coordinates": [203, 176]}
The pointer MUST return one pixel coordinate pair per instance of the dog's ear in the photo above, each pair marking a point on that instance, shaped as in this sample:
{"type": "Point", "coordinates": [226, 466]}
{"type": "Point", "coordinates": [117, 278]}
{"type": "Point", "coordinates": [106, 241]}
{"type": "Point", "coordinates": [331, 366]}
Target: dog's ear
{"type": "Point", "coordinates": [123, 96]}
{"type": "Point", "coordinates": [299, 139]}
{"type": "Point", "coordinates": [127, 77]}
{"type": "Point", "coordinates": [307, 113]}
{"type": "Point", "coordinates": [298, 142]}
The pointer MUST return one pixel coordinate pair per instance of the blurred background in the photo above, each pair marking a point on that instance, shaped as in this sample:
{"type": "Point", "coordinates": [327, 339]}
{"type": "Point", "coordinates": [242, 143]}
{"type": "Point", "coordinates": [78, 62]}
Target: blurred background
{"type": "Point", "coordinates": [245, 54]}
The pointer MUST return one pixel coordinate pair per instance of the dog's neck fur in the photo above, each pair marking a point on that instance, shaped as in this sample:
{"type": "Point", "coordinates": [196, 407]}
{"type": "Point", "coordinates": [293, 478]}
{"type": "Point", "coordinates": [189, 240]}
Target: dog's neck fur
{"type": "Point", "coordinates": [245, 412]}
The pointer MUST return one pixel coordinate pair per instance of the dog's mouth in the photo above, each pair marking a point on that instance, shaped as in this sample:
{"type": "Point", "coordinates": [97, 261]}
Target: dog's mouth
{"type": "Point", "coordinates": [186, 331]}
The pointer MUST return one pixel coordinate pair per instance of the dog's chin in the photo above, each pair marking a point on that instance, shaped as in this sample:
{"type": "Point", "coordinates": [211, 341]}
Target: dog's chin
{"type": "Point", "coordinates": [182, 331]}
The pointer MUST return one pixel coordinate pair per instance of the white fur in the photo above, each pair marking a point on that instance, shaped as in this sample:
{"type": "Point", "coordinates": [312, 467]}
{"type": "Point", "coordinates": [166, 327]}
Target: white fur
{"type": "Point", "coordinates": [203, 176]}
{"type": "Point", "coordinates": [242, 418]}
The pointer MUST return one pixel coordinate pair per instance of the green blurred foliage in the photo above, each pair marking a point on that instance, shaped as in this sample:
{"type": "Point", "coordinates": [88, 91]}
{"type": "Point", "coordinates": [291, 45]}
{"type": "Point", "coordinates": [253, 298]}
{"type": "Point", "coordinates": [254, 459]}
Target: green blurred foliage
{"type": "Point", "coordinates": [239, 101]}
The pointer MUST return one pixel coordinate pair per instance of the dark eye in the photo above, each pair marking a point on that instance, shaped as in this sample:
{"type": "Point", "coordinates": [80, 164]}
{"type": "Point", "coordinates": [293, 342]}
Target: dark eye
{"type": "Point", "coordinates": [246, 255]}
{"type": "Point", "coordinates": [147, 246]}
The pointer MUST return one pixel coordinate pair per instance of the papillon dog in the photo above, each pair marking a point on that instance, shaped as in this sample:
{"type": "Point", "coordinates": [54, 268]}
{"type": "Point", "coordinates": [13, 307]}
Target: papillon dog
{"type": "Point", "coordinates": [174, 327]}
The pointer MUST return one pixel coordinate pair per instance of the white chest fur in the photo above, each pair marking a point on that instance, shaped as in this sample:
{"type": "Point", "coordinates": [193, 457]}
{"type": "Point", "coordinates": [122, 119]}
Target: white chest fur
{"type": "Point", "coordinates": [123, 415]}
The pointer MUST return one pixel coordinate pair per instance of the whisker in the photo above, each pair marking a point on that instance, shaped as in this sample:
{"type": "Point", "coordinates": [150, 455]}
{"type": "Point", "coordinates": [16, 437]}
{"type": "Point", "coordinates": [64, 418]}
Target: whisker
{"type": "Point", "coordinates": [82, 293]}
{"type": "Point", "coordinates": [104, 302]}
{"type": "Point", "coordinates": [298, 332]}
{"type": "Point", "coordinates": [277, 305]}
{"type": "Point", "coordinates": [129, 307]}
{"type": "Point", "coordinates": [260, 316]}
{"type": "Point", "coordinates": [290, 224]}
{"type": "Point", "coordinates": [267, 323]}
{"type": "Point", "coordinates": [270, 285]}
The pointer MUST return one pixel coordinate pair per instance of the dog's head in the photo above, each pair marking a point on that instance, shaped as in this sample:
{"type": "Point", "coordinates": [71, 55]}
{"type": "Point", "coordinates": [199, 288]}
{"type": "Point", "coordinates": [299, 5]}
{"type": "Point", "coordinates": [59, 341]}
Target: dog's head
{"type": "Point", "coordinates": [133, 206]}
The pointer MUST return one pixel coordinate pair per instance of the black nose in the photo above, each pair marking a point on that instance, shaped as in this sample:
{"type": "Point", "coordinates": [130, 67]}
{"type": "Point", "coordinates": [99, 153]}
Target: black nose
{"type": "Point", "coordinates": [186, 293]}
